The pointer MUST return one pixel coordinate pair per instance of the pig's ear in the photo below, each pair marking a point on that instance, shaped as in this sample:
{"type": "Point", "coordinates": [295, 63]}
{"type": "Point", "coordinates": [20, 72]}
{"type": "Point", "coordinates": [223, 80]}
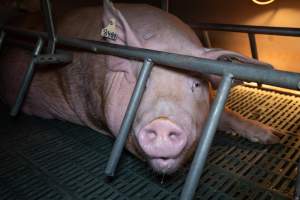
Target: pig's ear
{"type": "Point", "coordinates": [125, 35]}
{"type": "Point", "coordinates": [114, 20]}
{"type": "Point", "coordinates": [229, 56]}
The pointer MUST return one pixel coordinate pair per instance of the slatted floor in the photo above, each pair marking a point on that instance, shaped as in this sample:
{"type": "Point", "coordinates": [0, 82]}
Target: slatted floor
{"type": "Point", "coordinates": [50, 159]}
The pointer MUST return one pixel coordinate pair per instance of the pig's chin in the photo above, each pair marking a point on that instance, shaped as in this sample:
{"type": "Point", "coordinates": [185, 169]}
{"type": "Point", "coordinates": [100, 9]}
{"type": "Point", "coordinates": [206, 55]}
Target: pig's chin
{"type": "Point", "coordinates": [164, 165]}
{"type": "Point", "coordinates": [159, 164]}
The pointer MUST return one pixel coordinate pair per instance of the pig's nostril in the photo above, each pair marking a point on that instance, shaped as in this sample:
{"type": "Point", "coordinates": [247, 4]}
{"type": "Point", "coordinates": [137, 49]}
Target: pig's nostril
{"type": "Point", "coordinates": [162, 139]}
{"type": "Point", "coordinates": [174, 135]}
{"type": "Point", "coordinates": [151, 134]}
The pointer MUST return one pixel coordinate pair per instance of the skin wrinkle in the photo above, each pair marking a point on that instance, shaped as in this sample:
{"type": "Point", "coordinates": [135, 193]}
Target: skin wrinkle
{"type": "Point", "coordinates": [73, 102]}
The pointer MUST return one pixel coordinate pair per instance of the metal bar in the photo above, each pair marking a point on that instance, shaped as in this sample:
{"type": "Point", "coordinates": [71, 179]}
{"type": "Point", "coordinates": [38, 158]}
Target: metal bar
{"type": "Point", "coordinates": [165, 5]}
{"type": "Point", "coordinates": [267, 30]}
{"type": "Point", "coordinates": [2, 35]}
{"type": "Point", "coordinates": [49, 25]}
{"type": "Point", "coordinates": [24, 33]}
{"type": "Point", "coordinates": [297, 187]}
{"type": "Point", "coordinates": [206, 139]}
{"type": "Point", "coordinates": [57, 58]}
{"type": "Point", "coordinates": [129, 117]}
{"type": "Point", "coordinates": [245, 72]}
{"type": "Point", "coordinates": [26, 80]}
{"type": "Point", "coordinates": [206, 39]}
{"type": "Point", "coordinates": [254, 51]}
{"type": "Point", "coordinates": [253, 46]}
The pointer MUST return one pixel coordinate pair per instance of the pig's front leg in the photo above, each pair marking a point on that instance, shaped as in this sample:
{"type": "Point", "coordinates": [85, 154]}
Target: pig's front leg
{"type": "Point", "coordinates": [253, 130]}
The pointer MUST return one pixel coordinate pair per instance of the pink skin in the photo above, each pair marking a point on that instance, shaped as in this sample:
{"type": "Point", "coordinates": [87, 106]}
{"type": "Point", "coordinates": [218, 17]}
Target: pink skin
{"type": "Point", "coordinates": [163, 141]}
{"type": "Point", "coordinates": [171, 106]}
{"type": "Point", "coordinates": [162, 131]}
{"type": "Point", "coordinates": [95, 89]}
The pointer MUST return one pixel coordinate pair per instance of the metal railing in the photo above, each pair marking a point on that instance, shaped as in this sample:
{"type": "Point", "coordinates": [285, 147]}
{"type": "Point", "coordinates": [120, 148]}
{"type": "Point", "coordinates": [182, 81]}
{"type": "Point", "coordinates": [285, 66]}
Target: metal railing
{"type": "Point", "coordinates": [250, 30]}
{"type": "Point", "coordinates": [228, 71]}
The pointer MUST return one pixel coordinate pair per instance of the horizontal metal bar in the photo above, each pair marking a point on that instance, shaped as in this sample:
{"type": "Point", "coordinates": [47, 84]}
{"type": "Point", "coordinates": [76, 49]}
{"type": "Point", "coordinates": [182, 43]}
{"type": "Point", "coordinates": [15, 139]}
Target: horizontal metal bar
{"type": "Point", "coordinates": [206, 139]}
{"type": "Point", "coordinates": [285, 31]}
{"type": "Point", "coordinates": [253, 46]}
{"type": "Point", "coordinates": [26, 80]}
{"type": "Point", "coordinates": [129, 117]}
{"type": "Point", "coordinates": [245, 72]}
{"type": "Point", "coordinates": [24, 33]}
{"type": "Point", "coordinates": [57, 58]}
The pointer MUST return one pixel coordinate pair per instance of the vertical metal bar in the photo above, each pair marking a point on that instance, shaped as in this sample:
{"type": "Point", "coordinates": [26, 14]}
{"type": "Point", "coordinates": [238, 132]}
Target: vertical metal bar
{"type": "Point", "coordinates": [209, 130]}
{"type": "Point", "coordinates": [49, 25]}
{"type": "Point", "coordinates": [165, 5]}
{"type": "Point", "coordinates": [2, 35]}
{"type": "Point", "coordinates": [206, 39]}
{"type": "Point", "coordinates": [297, 187]}
{"type": "Point", "coordinates": [254, 52]}
{"type": "Point", "coordinates": [253, 46]}
{"type": "Point", "coordinates": [129, 117]}
{"type": "Point", "coordinates": [26, 80]}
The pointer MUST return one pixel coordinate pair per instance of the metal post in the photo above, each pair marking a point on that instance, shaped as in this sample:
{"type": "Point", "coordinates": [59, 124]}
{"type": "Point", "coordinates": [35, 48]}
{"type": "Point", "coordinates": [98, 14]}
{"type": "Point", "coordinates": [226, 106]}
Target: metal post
{"type": "Point", "coordinates": [206, 39]}
{"type": "Point", "coordinates": [254, 52]}
{"type": "Point", "coordinates": [49, 25]}
{"type": "Point", "coordinates": [209, 130]}
{"type": "Point", "coordinates": [297, 187]}
{"type": "Point", "coordinates": [2, 35]}
{"type": "Point", "coordinates": [26, 79]}
{"type": "Point", "coordinates": [129, 117]}
{"type": "Point", "coordinates": [253, 46]}
{"type": "Point", "coordinates": [165, 5]}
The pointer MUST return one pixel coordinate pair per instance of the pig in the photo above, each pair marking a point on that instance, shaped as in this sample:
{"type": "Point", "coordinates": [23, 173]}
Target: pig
{"type": "Point", "coordinates": [94, 90]}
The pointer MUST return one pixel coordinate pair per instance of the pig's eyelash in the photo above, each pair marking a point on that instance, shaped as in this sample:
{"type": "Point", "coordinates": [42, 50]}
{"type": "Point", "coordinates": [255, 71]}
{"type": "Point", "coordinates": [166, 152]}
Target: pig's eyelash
{"type": "Point", "coordinates": [195, 85]}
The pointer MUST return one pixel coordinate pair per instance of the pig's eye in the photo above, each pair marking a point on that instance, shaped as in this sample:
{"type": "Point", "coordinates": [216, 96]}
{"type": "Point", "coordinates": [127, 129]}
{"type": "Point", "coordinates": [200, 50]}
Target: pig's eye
{"type": "Point", "coordinates": [195, 85]}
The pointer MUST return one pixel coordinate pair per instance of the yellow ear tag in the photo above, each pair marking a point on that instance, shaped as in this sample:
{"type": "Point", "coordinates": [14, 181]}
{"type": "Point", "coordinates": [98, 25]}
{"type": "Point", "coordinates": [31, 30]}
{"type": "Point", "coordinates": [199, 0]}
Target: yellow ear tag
{"type": "Point", "coordinates": [110, 31]}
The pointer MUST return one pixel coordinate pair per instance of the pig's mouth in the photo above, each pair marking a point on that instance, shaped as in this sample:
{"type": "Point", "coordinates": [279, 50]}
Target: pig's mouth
{"type": "Point", "coordinates": [163, 143]}
{"type": "Point", "coordinates": [161, 165]}
{"type": "Point", "coordinates": [164, 165]}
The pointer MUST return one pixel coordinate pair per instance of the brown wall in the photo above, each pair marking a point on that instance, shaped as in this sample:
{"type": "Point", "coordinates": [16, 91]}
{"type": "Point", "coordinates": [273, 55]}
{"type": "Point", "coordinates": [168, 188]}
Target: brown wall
{"type": "Point", "coordinates": [282, 52]}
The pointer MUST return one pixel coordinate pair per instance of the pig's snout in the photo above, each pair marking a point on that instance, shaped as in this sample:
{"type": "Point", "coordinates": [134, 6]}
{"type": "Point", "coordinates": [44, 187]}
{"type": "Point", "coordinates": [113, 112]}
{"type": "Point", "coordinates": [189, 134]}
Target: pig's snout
{"type": "Point", "coordinates": [162, 139]}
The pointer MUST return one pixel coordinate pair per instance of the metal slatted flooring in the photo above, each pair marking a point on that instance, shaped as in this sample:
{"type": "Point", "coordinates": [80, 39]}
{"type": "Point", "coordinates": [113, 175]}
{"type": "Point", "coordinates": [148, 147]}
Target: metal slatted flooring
{"type": "Point", "coordinates": [50, 159]}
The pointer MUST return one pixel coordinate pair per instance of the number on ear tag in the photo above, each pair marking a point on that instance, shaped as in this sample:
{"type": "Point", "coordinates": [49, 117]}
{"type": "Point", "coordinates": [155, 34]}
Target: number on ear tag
{"type": "Point", "coordinates": [110, 31]}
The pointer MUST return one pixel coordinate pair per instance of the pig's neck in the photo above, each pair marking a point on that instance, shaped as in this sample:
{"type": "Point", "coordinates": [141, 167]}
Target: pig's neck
{"type": "Point", "coordinates": [86, 82]}
{"type": "Point", "coordinates": [117, 93]}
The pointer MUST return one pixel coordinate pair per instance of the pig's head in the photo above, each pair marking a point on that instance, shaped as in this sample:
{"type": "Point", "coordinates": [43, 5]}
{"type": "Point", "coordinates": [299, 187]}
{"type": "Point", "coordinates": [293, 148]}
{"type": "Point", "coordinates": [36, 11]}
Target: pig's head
{"type": "Point", "coordinates": [175, 104]}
